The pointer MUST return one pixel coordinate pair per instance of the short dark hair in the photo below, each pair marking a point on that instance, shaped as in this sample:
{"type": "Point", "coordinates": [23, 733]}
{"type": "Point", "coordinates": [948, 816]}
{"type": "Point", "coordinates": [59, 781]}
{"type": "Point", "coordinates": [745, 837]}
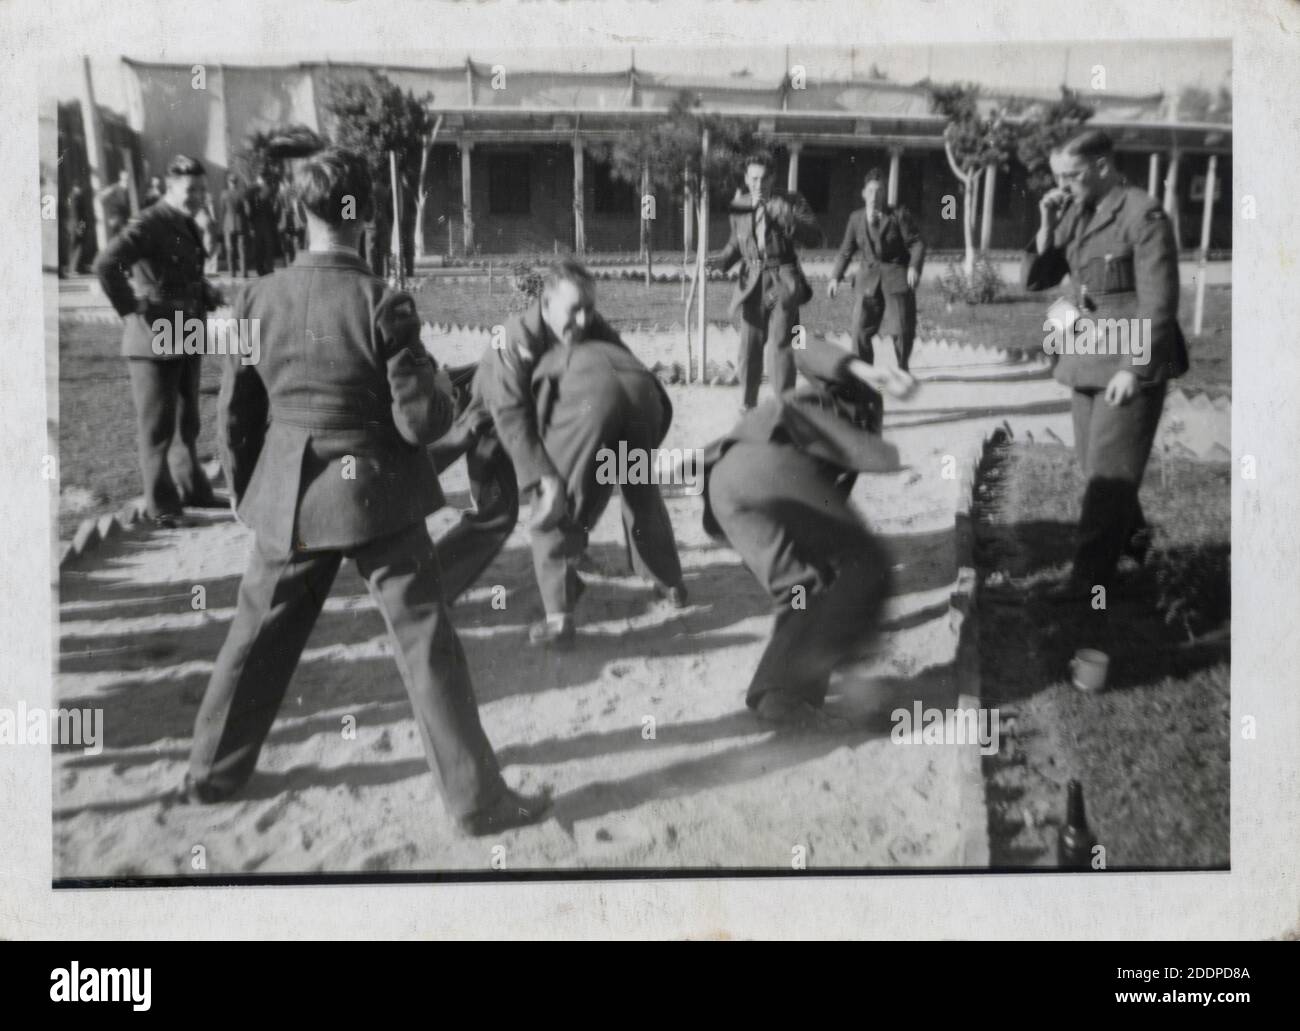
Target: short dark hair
{"type": "Point", "coordinates": [873, 176]}
{"type": "Point", "coordinates": [568, 270]}
{"type": "Point", "coordinates": [761, 157]}
{"type": "Point", "coordinates": [182, 164]}
{"type": "Point", "coordinates": [1091, 143]}
{"type": "Point", "coordinates": [325, 180]}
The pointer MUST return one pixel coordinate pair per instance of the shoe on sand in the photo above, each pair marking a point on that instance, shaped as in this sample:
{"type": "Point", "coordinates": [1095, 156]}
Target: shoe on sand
{"type": "Point", "coordinates": [555, 631]}
{"type": "Point", "coordinates": [511, 810]}
{"type": "Point", "coordinates": [788, 711]}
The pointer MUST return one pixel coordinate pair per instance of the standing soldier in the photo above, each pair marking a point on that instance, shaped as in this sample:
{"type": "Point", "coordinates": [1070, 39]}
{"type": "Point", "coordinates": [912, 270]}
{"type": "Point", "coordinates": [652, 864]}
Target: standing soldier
{"type": "Point", "coordinates": [116, 202]}
{"type": "Point", "coordinates": [1117, 246]}
{"type": "Point", "coordinates": [78, 231]}
{"type": "Point", "coordinates": [262, 226]}
{"type": "Point", "coordinates": [324, 445]}
{"type": "Point", "coordinates": [234, 227]}
{"type": "Point", "coordinates": [892, 255]}
{"type": "Point", "coordinates": [777, 489]}
{"type": "Point", "coordinates": [563, 387]}
{"type": "Point", "coordinates": [165, 248]}
{"type": "Point", "coordinates": [764, 230]}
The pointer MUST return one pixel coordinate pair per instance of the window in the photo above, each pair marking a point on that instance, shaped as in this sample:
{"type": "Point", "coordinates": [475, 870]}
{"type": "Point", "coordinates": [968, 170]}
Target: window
{"type": "Point", "coordinates": [610, 196]}
{"type": "Point", "coordinates": [509, 186]}
{"type": "Point", "coordinates": [815, 181]}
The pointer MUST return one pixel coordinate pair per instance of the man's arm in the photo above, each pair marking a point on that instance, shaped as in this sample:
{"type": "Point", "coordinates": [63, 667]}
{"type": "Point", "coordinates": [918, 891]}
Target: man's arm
{"type": "Point", "coordinates": [242, 411]}
{"type": "Point", "coordinates": [1044, 263]}
{"type": "Point", "coordinates": [113, 266]}
{"type": "Point", "coordinates": [1155, 268]}
{"type": "Point", "coordinates": [729, 255]}
{"type": "Point", "coordinates": [506, 383]}
{"type": "Point", "coordinates": [848, 248]}
{"type": "Point", "coordinates": [421, 411]}
{"type": "Point", "coordinates": [796, 219]}
{"type": "Point", "coordinates": [915, 245]}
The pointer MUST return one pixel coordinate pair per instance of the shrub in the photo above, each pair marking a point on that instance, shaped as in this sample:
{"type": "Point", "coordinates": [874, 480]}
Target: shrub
{"type": "Point", "coordinates": [526, 281]}
{"type": "Point", "coordinates": [983, 286]}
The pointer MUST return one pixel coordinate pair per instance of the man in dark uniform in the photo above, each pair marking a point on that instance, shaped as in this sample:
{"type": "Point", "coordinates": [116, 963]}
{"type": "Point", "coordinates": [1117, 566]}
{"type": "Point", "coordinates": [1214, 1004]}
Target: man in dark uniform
{"type": "Point", "coordinates": [116, 203]}
{"type": "Point", "coordinates": [478, 536]}
{"type": "Point", "coordinates": [164, 247]}
{"type": "Point", "coordinates": [892, 256]}
{"type": "Point", "coordinates": [234, 227]}
{"type": "Point", "coordinates": [324, 445]}
{"type": "Point", "coordinates": [1116, 244]}
{"type": "Point", "coordinates": [263, 229]}
{"type": "Point", "coordinates": [78, 230]}
{"type": "Point", "coordinates": [562, 388]}
{"type": "Point", "coordinates": [764, 230]}
{"type": "Point", "coordinates": [777, 489]}
{"type": "Point", "coordinates": [378, 231]}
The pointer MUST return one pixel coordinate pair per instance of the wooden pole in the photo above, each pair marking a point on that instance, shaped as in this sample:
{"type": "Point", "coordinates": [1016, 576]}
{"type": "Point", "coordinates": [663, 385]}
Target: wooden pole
{"type": "Point", "coordinates": [94, 151]}
{"type": "Point", "coordinates": [701, 277]}
{"type": "Point", "coordinates": [396, 249]}
{"type": "Point", "coordinates": [466, 202]}
{"type": "Point", "coordinates": [579, 198]}
{"type": "Point", "coordinates": [1207, 215]}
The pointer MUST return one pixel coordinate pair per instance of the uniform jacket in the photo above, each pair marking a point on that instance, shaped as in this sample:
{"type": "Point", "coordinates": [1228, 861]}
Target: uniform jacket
{"type": "Point", "coordinates": [1126, 257]}
{"type": "Point", "coordinates": [517, 396]}
{"type": "Point", "coordinates": [116, 200]}
{"type": "Point", "coordinates": [836, 420]}
{"type": "Point", "coordinates": [234, 211]}
{"type": "Point", "coordinates": [165, 249]}
{"type": "Point", "coordinates": [887, 252]}
{"type": "Point", "coordinates": [780, 258]}
{"type": "Point", "coordinates": [323, 440]}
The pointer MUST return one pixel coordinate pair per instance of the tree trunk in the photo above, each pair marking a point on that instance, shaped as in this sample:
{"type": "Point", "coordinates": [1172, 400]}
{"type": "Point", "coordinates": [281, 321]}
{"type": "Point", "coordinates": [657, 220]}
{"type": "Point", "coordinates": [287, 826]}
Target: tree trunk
{"type": "Point", "coordinates": [422, 194]}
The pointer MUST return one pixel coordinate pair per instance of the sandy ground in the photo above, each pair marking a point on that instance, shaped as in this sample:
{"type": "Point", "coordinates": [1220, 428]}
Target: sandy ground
{"type": "Point", "coordinates": [711, 788]}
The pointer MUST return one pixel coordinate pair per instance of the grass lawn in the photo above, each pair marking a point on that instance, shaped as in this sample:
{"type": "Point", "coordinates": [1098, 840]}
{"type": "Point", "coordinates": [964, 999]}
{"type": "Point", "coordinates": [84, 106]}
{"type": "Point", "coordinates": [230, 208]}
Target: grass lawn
{"type": "Point", "coordinates": [1152, 751]}
{"type": "Point", "coordinates": [97, 434]}
{"type": "Point", "coordinates": [1014, 322]}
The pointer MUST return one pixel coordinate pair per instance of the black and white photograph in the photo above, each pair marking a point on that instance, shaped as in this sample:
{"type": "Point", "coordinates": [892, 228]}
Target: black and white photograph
{"type": "Point", "coordinates": [652, 455]}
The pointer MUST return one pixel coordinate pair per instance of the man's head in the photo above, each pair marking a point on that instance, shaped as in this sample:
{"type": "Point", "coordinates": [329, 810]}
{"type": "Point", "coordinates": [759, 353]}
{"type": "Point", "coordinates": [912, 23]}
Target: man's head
{"type": "Point", "coordinates": [568, 300]}
{"type": "Point", "coordinates": [123, 178]}
{"type": "Point", "coordinates": [758, 177]}
{"type": "Point", "coordinates": [187, 186]}
{"type": "Point", "coordinates": [871, 190]}
{"type": "Point", "coordinates": [1084, 166]}
{"type": "Point", "coordinates": [335, 190]}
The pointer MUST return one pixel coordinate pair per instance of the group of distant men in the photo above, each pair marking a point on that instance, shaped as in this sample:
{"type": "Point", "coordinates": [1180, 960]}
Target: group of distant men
{"type": "Point", "coordinates": [332, 444]}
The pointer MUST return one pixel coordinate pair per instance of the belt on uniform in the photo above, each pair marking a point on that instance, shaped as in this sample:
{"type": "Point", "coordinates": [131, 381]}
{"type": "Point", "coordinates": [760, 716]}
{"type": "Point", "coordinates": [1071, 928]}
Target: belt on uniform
{"type": "Point", "coordinates": [326, 419]}
{"type": "Point", "coordinates": [777, 263]}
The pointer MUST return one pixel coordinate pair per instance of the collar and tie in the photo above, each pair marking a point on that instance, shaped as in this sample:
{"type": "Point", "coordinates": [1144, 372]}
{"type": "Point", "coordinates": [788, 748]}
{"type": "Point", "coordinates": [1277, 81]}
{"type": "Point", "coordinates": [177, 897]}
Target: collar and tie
{"type": "Point", "coordinates": [760, 227]}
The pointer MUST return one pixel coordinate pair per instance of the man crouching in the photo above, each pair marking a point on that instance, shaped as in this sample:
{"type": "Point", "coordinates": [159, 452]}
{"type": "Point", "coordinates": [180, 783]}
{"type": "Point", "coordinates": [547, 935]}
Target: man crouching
{"type": "Point", "coordinates": [562, 388]}
{"type": "Point", "coordinates": [323, 444]}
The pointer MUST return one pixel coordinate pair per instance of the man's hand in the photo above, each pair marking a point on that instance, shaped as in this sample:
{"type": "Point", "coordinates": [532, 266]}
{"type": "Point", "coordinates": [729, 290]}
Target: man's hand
{"type": "Point", "coordinates": [913, 277]}
{"type": "Point", "coordinates": [832, 288]}
{"type": "Point", "coordinates": [442, 381]}
{"type": "Point", "coordinates": [894, 382]}
{"type": "Point", "coordinates": [1121, 388]}
{"type": "Point", "coordinates": [548, 504]}
{"type": "Point", "coordinates": [1053, 202]}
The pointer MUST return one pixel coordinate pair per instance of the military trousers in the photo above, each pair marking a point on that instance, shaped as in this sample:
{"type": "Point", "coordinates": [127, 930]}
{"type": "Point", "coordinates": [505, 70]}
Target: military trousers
{"type": "Point", "coordinates": [280, 598]}
{"type": "Point", "coordinates": [598, 408]}
{"type": "Point", "coordinates": [766, 329]}
{"type": "Point", "coordinates": [1113, 444]}
{"type": "Point", "coordinates": [788, 516]}
{"type": "Point", "coordinates": [166, 395]}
